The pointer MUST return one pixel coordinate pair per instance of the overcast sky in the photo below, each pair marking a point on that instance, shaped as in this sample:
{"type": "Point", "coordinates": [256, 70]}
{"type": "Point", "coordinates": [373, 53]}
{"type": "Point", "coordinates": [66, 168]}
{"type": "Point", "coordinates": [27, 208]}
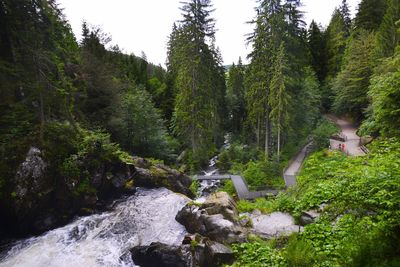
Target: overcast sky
{"type": "Point", "coordinates": [144, 25]}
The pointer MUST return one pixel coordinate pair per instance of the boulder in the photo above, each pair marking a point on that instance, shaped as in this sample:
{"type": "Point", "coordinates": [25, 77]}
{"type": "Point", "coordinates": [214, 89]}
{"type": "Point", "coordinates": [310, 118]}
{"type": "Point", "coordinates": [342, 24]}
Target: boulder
{"type": "Point", "coordinates": [274, 225]}
{"type": "Point", "coordinates": [31, 182]}
{"type": "Point", "coordinates": [159, 175]}
{"type": "Point", "coordinates": [216, 218]}
{"type": "Point", "coordinates": [194, 251]}
{"type": "Point", "coordinates": [309, 217]}
{"type": "Point", "coordinates": [161, 255]}
{"type": "Point", "coordinates": [221, 203]}
{"type": "Point", "coordinates": [218, 254]}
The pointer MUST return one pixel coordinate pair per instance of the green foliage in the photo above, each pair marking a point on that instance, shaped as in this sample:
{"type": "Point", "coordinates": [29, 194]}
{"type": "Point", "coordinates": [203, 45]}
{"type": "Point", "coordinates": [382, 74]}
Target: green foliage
{"type": "Point", "coordinates": [359, 225]}
{"type": "Point", "coordinates": [84, 187]}
{"type": "Point", "coordinates": [282, 202]}
{"type": "Point", "coordinates": [351, 84]}
{"type": "Point", "coordinates": [139, 127]}
{"type": "Point", "coordinates": [317, 47]}
{"type": "Point", "coordinates": [257, 254]}
{"type": "Point", "coordinates": [385, 95]}
{"type": "Point", "coordinates": [300, 253]}
{"type": "Point", "coordinates": [260, 174]}
{"type": "Point", "coordinates": [388, 36]}
{"type": "Point", "coordinates": [336, 40]}
{"type": "Point", "coordinates": [235, 98]}
{"type": "Point", "coordinates": [91, 151]}
{"type": "Point", "coordinates": [229, 187]}
{"type": "Point", "coordinates": [370, 14]}
{"type": "Point", "coordinates": [199, 81]}
{"type": "Point", "coordinates": [194, 187]}
{"type": "Point", "coordinates": [236, 154]}
{"type": "Point", "coordinates": [365, 190]}
{"type": "Point", "coordinates": [321, 134]}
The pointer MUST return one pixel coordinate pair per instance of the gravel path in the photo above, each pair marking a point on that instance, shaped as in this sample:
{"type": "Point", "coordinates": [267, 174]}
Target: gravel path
{"type": "Point", "coordinates": [349, 133]}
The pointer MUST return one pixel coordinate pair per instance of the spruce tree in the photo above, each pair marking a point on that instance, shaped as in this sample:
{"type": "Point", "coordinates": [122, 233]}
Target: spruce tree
{"type": "Point", "coordinates": [345, 11]}
{"type": "Point", "coordinates": [370, 14]}
{"type": "Point", "coordinates": [388, 36]}
{"type": "Point", "coordinates": [351, 84]}
{"type": "Point", "coordinates": [200, 81]}
{"type": "Point", "coordinates": [316, 45]}
{"type": "Point", "coordinates": [236, 97]}
{"type": "Point", "coordinates": [278, 96]}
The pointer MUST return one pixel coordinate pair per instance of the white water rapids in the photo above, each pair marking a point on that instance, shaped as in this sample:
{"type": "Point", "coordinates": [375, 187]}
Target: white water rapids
{"type": "Point", "coordinates": [105, 239]}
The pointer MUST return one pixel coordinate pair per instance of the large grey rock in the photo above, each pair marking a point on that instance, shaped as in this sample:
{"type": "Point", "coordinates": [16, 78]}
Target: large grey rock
{"type": "Point", "coordinates": [31, 181]}
{"type": "Point", "coordinates": [274, 225]}
{"type": "Point", "coordinates": [216, 219]}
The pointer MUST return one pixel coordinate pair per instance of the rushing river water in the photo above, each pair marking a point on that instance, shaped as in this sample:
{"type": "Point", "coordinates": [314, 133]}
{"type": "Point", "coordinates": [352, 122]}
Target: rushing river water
{"type": "Point", "coordinates": [105, 239]}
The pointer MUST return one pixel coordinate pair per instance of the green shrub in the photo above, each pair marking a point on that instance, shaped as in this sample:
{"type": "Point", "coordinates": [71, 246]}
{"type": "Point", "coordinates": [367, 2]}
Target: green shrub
{"type": "Point", "coordinates": [229, 187]}
{"type": "Point", "coordinates": [194, 187]}
{"type": "Point", "coordinates": [322, 132]}
{"type": "Point", "coordinates": [258, 254]}
{"type": "Point", "coordinates": [299, 253]}
{"type": "Point", "coordinates": [263, 174]}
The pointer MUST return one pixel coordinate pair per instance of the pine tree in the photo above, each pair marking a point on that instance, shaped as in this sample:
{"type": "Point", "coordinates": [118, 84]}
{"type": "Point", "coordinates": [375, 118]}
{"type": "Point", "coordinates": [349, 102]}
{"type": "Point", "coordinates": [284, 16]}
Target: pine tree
{"type": "Point", "coordinates": [236, 97]}
{"type": "Point", "coordinates": [370, 14]}
{"type": "Point", "coordinates": [345, 11]}
{"type": "Point", "coordinates": [336, 38]}
{"type": "Point", "coordinates": [278, 96]}
{"type": "Point", "coordinates": [316, 44]}
{"type": "Point", "coordinates": [388, 37]}
{"type": "Point", "coordinates": [351, 84]}
{"type": "Point", "coordinates": [200, 81]}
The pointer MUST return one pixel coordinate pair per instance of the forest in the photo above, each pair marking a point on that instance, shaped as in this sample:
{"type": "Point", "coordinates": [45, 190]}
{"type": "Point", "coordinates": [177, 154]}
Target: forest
{"type": "Point", "coordinates": [86, 104]}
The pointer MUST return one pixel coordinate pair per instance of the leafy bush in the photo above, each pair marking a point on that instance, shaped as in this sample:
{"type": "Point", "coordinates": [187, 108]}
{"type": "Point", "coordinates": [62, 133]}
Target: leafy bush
{"type": "Point", "coordinates": [360, 224]}
{"type": "Point", "coordinates": [257, 254]}
{"type": "Point", "coordinates": [282, 202]}
{"type": "Point", "coordinates": [262, 174]}
{"type": "Point", "coordinates": [322, 132]}
{"type": "Point", "coordinates": [194, 187]}
{"type": "Point", "coordinates": [229, 187]}
{"type": "Point", "coordinates": [139, 128]}
{"type": "Point", "coordinates": [236, 154]}
{"type": "Point", "coordinates": [364, 193]}
{"type": "Point", "coordinates": [299, 253]}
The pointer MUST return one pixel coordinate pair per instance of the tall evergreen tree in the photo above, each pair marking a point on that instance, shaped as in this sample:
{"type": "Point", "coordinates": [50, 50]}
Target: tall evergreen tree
{"type": "Point", "coordinates": [345, 11]}
{"type": "Point", "coordinates": [317, 48]}
{"type": "Point", "coordinates": [370, 14]}
{"type": "Point", "coordinates": [336, 38]}
{"type": "Point", "coordinates": [200, 81]}
{"type": "Point", "coordinates": [236, 97]}
{"type": "Point", "coordinates": [279, 97]}
{"type": "Point", "coordinates": [351, 84]}
{"type": "Point", "coordinates": [388, 36]}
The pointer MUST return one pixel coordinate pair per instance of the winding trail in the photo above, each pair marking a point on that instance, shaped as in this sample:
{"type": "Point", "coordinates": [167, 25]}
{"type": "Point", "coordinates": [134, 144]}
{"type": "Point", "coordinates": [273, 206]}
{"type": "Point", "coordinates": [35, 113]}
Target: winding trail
{"type": "Point", "coordinates": [348, 132]}
{"type": "Point", "coordinates": [240, 185]}
{"type": "Point", "coordinates": [351, 142]}
{"type": "Point", "coordinates": [289, 174]}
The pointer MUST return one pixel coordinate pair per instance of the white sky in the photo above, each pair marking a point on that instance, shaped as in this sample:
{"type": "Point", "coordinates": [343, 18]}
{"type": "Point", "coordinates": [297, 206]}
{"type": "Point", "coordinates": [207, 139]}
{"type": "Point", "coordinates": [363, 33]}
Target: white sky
{"type": "Point", "coordinates": [144, 25]}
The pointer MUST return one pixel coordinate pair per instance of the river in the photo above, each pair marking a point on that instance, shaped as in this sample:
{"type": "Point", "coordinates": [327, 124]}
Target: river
{"type": "Point", "coordinates": [105, 239]}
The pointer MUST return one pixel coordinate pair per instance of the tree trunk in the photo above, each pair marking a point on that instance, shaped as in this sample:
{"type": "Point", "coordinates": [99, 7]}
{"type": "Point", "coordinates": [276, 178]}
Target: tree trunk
{"type": "Point", "coordinates": [42, 122]}
{"type": "Point", "coordinates": [279, 142]}
{"type": "Point", "coordinates": [258, 131]}
{"type": "Point", "coordinates": [266, 137]}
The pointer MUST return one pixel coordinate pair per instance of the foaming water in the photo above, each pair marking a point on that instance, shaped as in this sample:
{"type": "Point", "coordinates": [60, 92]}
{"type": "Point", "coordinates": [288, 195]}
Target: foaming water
{"type": "Point", "coordinates": [105, 239]}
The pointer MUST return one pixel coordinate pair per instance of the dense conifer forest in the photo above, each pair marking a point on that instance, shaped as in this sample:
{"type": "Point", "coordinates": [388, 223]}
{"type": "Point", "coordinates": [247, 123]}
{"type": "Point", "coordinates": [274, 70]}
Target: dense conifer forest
{"type": "Point", "coordinates": [84, 103]}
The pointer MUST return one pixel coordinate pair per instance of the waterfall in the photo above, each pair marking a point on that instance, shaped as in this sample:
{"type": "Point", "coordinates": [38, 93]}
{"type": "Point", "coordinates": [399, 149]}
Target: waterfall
{"type": "Point", "coordinates": [105, 239]}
